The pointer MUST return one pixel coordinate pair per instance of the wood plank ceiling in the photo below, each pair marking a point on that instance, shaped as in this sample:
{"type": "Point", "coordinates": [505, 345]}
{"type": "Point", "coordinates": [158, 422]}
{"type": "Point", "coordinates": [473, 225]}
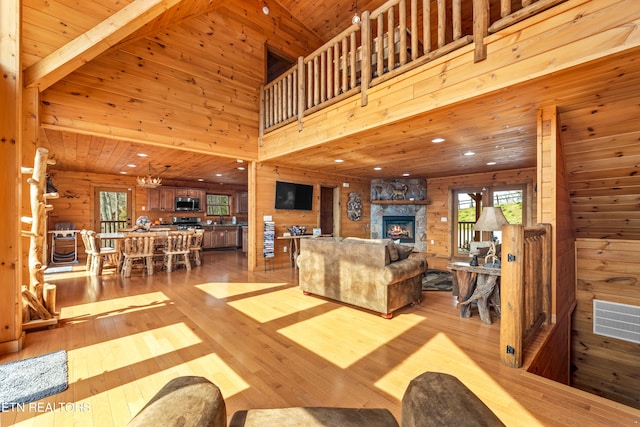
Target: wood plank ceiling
{"type": "Point", "coordinates": [598, 107]}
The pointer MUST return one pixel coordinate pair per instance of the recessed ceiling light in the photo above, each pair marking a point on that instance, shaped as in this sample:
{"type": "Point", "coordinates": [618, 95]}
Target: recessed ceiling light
{"type": "Point", "coordinates": [491, 163]}
{"type": "Point", "coordinates": [406, 174]}
{"type": "Point", "coordinates": [240, 168]}
{"type": "Point", "coordinates": [469, 153]}
{"type": "Point", "coordinates": [200, 179]}
{"type": "Point", "coordinates": [131, 165]}
{"type": "Point", "coordinates": [377, 168]}
{"type": "Point", "coordinates": [123, 173]}
{"type": "Point", "coordinates": [218, 174]}
{"type": "Point", "coordinates": [143, 155]}
{"type": "Point", "coordinates": [338, 160]}
{"type": "Point", "coordinates": [437, 140]}
{"type": "Point", "coordinates": [240, 161]}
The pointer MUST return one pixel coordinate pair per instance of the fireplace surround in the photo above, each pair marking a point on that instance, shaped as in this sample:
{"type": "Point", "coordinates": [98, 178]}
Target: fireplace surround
{"type": "Point", "coordinates": [401, 228]}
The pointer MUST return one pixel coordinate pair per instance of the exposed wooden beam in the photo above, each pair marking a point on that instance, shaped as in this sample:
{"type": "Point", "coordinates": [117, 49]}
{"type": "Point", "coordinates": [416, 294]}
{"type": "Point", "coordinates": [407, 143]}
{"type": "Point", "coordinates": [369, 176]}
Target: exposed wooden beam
{"type": "Point", "coordinates": [94, 42]}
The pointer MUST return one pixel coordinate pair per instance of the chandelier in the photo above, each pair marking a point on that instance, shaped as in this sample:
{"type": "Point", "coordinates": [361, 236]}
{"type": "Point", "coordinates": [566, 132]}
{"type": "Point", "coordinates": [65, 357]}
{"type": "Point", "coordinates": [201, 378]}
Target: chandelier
{"type": "Point", "coordinates": [150, 181]}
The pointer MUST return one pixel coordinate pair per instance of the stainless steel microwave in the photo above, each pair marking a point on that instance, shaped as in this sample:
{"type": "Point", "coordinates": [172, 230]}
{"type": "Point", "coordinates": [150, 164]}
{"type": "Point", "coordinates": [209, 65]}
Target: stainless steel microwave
{"type": "Point", "coordinates": [187, 204]}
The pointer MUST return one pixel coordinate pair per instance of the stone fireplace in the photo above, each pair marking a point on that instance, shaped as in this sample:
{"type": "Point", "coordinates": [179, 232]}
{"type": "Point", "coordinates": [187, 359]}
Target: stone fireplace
{"type": "Point", "coordinates": [401, 228]}
{"type": "Point", "coordinates": [400, 198]}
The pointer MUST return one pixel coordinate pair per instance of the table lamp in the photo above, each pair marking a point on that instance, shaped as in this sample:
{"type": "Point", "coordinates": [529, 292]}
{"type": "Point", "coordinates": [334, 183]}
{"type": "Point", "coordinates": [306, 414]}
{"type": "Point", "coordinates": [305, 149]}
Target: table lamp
{"type": "Point", "coordinates": [491, 219]}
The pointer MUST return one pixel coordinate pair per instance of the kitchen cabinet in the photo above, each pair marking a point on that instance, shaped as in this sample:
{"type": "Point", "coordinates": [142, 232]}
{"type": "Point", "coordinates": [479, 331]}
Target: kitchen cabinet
{"type": "Point", "coordinates": [161, 199]}
{"type": "Point", "coordinates": [221, 236]}
{"type": "Point", "coordinates": [231, 238]}
{"type": "Point", "coordinates": [207, 238]}
{"type": "Point", "coordinates": [242, 202]}
{"type": "Point", "coordinates": [190, 192]}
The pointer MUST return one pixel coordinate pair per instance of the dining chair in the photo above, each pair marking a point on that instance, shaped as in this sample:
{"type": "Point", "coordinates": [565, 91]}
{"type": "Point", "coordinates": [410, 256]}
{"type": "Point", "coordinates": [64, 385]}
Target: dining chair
{"type": "Point", "coordinates": [100, 256]}
{"type": "Point", "coordinates": [177, 250]}
{"type": "Point", "coordinates": [196, 246]}
{"type": "Point", "coordinates": [87, 248]}
{"type": "Point", "coordinates": [138, 249]}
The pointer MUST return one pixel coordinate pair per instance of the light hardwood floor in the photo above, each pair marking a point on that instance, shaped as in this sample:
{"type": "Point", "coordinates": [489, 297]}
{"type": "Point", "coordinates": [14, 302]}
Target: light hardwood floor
{"type": "Point", "coordinates": [265, 345]}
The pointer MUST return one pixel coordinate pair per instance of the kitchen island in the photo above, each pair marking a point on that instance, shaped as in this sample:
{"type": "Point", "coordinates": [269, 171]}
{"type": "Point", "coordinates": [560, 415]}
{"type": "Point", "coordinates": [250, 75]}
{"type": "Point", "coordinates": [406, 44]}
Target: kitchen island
{"type": "Point", "coordinates": [222, 236]}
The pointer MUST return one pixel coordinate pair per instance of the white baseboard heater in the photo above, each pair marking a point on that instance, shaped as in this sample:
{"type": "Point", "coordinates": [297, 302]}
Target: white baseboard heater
{"type": "Point", "coordinates": [616, 320]}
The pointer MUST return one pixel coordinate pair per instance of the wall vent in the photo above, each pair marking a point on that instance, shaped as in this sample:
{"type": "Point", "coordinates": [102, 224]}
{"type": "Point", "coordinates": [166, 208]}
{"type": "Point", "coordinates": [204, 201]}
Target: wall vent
{"type": "Point", "coordinates": [615, 320]}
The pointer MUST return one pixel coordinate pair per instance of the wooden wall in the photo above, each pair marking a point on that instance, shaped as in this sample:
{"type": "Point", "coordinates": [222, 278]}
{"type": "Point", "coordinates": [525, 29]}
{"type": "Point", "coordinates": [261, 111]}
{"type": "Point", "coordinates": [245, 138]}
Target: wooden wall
{"type": "Point", "coordinates": [554, 207]}
{"type": "Point", "coordinates": [606, 270]}
{"type": "Point", "coordinates": [266, 177]}
{"type": "Point", "coordinates": [76, 203]}
{"type": "Point", "coordinates": [439, 196]}
{"type": "Point", "coordinates": [193, 84]}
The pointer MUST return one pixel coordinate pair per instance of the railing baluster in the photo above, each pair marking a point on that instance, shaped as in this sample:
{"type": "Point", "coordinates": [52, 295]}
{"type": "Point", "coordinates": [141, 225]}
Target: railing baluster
{"type": "Point", "coordinates": [426, 25]}
{"type": "Point", "coordinates": [391, 56]}
{"type": "Point", "coordinates": [380, 46]}
{"type": "Point", "coordinates": [316, 81]}
{"type": "Point", "coordinates": [300, 91]}
{"type": "Point", "coordinates": [456, 16]}
{"type": "Point", "coordinates": [330, 93]}
{"type": "Point", "coordinates": [352, 57]}
{"type": "Point", "coordinates": [403, 31]}
{"type": "Point", "coordinates": [323, 76]}
{"type": "Point", "coordinates": [414, 30]}
{"type": "Point", "coordinates": [442, 23]}
{"type": "Point", "coordinates": [505, 8]}
{"type": "Point", "coordinates": [309, 93]}
{"type": "Point", "coordinates": [345, 81]}
{"type": "Point", "coordinates": [336, 69]}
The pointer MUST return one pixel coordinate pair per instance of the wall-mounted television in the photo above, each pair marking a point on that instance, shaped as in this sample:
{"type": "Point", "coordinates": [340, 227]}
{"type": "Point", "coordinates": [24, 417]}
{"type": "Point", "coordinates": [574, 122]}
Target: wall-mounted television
{"type": "Point", "coordinates": [294, 196]}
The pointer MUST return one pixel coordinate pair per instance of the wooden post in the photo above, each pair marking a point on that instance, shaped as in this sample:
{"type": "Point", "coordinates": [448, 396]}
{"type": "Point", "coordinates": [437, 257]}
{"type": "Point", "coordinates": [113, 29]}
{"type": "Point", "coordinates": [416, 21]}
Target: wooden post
{"type": "Point", "coordinates": [480, 28]}
{"type": "Point", "coordinates": [261, 116]}
{"type": "Point", "coordinates": [11, 81]}
{"type": "Point", "coordinates": [511, 295]}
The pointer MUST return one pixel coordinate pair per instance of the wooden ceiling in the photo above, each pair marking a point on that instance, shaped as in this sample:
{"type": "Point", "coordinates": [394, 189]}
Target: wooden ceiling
{"type": "Point", "coordinates": [597, 103]}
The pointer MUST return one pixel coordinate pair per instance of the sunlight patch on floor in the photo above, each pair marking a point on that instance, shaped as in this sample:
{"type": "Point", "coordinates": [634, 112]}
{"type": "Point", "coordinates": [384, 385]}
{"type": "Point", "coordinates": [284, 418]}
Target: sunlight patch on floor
{"type": "Point", "coordinates": [362, 333]}
{"type": "Point", "coordinates": [223, 290]}
{"type": "Point", "coordinates": [437, 355]}
{"type": "Point", "coordinates": [113, 307]}
{"type": "Point", "coordinates": [135, 349]}
{"type": "Point", "coordinates": [274, 305]}
{"type": "Point", "coordinates": [118, 405]}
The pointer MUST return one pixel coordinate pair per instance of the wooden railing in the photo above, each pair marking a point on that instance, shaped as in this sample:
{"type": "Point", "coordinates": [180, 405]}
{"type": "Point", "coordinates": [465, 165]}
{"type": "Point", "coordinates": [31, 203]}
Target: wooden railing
{"type": "Point", "coordinates": [465, 233]}
{"type": "Point", "coordinates": [394, 38]}
{"type": "Point", "coordinates": [525, 290]}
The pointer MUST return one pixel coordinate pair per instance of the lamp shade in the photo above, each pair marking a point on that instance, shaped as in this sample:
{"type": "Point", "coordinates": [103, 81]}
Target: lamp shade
{"type": "Point", "coordinates": [491, 219]}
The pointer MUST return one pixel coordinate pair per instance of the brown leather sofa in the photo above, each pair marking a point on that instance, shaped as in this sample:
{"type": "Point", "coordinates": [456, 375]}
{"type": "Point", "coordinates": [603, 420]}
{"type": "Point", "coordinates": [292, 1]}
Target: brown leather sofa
{"type": "Point", "coordinates": [374, 274]}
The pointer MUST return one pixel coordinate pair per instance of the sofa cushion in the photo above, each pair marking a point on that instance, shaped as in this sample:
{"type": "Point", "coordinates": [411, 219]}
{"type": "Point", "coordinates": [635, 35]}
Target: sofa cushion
{"type": "Point", "coordinates": [393, 252]}
{"type": "Point", "coordinates": [404, 251]}
{"type": "Point", "coordinates": [314, 416]}
{"type": "Point", "coordinates": [184, 401]}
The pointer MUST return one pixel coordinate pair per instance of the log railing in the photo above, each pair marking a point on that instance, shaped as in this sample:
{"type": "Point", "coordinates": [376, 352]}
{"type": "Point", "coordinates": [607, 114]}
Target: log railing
{"type": "Point", "coordinates": [394, 38]}
{"type": "Point", "coordinates": [525, 290]}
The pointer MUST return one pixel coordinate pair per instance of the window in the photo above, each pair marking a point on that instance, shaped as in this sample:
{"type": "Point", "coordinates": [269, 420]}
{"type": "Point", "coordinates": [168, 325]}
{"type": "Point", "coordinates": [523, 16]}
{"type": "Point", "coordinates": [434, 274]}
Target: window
{"type": "Point", "coordinates": [217, 204]}
{"type": "Point", "coordinates": [467, 207]}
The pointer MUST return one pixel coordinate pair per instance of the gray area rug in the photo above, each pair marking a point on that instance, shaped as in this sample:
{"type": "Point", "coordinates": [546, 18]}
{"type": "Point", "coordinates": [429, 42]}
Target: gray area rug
{"type": "Point", "coordinates": [28, 380]}
{"type": "Point", "coordinates": [437, 280]}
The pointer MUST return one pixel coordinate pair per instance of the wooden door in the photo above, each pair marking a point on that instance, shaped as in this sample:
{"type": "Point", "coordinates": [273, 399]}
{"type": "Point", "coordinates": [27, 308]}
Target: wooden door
{"type": "Point", "coordinates": [326, 210]}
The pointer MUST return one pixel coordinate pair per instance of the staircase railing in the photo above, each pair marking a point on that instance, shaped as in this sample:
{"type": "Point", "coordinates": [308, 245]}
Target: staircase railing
{"type": "Point", "coordinates": [391, 40]}
{"type": "Point", "coordinates": [525, 288]}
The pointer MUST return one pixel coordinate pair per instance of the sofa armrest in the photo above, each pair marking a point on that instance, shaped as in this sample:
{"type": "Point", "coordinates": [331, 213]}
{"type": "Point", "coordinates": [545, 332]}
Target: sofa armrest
{"type": "Point", "coordinates": [404, 269]}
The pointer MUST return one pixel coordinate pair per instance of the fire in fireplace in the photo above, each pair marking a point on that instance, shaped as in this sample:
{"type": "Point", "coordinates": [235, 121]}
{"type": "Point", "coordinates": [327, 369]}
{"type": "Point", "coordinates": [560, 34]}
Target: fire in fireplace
{"type": "Point", "coordinates": [399, 227]}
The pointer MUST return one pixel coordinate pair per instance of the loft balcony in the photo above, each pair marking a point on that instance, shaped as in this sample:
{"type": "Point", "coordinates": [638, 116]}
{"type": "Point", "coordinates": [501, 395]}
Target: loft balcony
{"type": "Point", "coordinates": [394, 39]}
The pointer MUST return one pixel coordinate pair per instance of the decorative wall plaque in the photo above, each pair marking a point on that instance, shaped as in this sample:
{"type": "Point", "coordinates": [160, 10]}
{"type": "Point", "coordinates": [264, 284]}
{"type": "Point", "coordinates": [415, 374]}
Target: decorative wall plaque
{"type": "Point", "coordinates": [354, 206]}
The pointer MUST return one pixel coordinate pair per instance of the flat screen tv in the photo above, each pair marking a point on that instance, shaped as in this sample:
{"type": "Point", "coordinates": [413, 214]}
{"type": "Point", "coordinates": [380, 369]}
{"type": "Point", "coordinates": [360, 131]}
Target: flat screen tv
{"type": "Point", "coordinates": [294, 196]}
